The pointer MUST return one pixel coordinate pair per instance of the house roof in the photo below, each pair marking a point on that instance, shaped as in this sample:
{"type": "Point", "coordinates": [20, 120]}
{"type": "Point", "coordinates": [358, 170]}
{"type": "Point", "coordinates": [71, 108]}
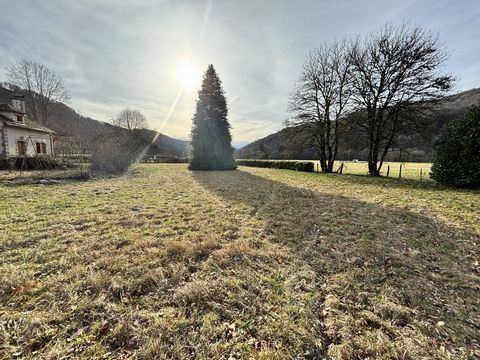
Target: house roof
{"type": "Point", "coordinates": [5, 94]}
{"type": "Point", "coordinates": [28, 124]}
{"type": "Point", "coordinates": [10, 108]}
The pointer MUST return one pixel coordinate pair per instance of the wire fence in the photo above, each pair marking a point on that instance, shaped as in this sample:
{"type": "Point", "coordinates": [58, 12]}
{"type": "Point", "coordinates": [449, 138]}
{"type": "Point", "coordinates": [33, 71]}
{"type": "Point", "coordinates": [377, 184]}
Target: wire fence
{"type": "Point", "coordinates": [406, 170]}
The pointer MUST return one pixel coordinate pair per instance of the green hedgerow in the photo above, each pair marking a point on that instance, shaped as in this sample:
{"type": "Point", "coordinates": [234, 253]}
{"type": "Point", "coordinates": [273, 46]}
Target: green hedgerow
{"type": "Point", "coordinates": [289, 165]}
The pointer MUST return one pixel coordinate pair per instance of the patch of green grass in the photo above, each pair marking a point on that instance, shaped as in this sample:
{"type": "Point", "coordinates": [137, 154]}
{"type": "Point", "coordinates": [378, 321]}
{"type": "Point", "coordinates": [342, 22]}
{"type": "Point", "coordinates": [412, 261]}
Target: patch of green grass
{"type": "Point", "coordinates": [410, 170]}
{"type": "Point", "coordinates": [254, 263]}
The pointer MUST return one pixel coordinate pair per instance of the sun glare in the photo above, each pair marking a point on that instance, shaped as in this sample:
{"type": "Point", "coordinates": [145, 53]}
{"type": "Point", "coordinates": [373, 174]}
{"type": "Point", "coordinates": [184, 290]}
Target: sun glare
{"type": "Point", "coordinates": [188, 75]}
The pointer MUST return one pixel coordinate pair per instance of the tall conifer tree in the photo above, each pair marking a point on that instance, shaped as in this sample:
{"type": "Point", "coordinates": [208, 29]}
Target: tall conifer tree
{"type": "Point", "coordinates": [211, 139]}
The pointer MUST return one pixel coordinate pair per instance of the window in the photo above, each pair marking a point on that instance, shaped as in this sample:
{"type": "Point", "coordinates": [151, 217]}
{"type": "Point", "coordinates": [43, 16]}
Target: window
{"type": "Point", "coordinates": [41, 148]}
{"type": "Point", "coordinates": [20, 118]}
{"type": "Point", "coordinates": [21, 147]}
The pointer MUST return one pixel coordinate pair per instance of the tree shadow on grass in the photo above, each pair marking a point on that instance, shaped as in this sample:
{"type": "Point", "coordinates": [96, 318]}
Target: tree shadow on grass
{"type": "Point", "coordinates": [397, 183]}
{"type": "Point", "coordinates": [393, 283]}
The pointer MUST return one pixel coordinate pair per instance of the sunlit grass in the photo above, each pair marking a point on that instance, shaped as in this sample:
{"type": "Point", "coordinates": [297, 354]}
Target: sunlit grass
{"type": "Point", "coordinates": [262, 263]}
{"type": "Point", "coordinates": [409, 170]}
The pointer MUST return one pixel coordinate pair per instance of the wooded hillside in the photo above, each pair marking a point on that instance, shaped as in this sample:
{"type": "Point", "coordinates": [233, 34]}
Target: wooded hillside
{"type": "Point", "coordinates": [284, 144]}
{"type": "Point", "coordinates": [67, 123]}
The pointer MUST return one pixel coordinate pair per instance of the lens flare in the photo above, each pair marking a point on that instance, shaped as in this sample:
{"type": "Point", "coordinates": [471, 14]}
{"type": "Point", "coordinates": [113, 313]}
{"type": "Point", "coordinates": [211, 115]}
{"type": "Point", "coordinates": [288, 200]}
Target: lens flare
{"type": "Point", "coordinates": [188, 75]}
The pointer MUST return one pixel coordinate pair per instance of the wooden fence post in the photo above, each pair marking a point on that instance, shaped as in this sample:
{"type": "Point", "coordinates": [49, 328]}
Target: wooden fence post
{"type": "Point", "coordinates": [400, 172]}
{"type": "Point", "coordinates": [388, 170]}
{"type": "Point", "coordinates": [341, 169]}
{"type": "Point", "coordinates": [421, 174]}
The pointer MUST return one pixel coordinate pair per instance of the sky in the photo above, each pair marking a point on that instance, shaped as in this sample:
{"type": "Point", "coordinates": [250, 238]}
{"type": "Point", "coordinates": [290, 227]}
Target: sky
{"type": "Point", "coordinates": [114, 54]}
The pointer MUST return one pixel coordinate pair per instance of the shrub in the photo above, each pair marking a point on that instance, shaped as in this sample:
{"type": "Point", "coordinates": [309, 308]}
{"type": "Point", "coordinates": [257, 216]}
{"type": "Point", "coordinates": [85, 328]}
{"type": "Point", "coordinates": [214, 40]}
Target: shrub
{"type": "Point", "coordinates": [114, 150]}
{"type": "Point", "coordinates": [165, 160]}
{"type": "Point", "coordinates": [109, 157]}
{"type": "Point", "coordinates": [457, 152]}
{"type": "Point", "coordinates": [35, 163]}
{"type": "Point", "coordinates": [175, 160]}
{"type": "Point", "coordinates": [289, 165]}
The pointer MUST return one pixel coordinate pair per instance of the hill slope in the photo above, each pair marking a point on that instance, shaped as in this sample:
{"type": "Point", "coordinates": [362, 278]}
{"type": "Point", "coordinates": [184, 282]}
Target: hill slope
{"type": "Point", "coordinates": [68, 123]}
{"type": "Point", "coordinates": [280, 145]}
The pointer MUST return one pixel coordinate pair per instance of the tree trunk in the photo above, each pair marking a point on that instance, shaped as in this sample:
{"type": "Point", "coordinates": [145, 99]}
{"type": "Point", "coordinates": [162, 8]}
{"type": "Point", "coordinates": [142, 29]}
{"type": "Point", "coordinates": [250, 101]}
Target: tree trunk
{"type": "Point", "coordinates": [330, 166]}
{"type": "Point", "coordinates": [372, 168]}
{"type": "Point", "coordinates": [323, 161]}
{"type": "Point", "coordinates": [373, 161]}
{"type": "Point", "coordinates": [330, 160]}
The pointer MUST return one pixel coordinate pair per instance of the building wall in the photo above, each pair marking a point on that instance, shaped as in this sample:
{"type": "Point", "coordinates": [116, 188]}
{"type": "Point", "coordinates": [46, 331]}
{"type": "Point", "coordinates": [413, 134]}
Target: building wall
{"type": "Point", "coordinates": [3, 147]}
{"type": "Point", "coordinates": [30, 137]}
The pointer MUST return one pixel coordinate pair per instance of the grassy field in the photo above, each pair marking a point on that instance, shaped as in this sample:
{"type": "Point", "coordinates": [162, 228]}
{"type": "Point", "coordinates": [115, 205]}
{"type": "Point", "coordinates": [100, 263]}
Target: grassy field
{"type": "Point", "coordinates": [255, 263]}
{"type": "Point", "coordinates": [410, 170]}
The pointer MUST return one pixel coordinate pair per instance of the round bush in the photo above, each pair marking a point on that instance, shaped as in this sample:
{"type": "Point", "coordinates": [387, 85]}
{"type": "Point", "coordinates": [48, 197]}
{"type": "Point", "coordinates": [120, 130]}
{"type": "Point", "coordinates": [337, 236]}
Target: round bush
{"type": "Point", "coordinates": [457, 152]}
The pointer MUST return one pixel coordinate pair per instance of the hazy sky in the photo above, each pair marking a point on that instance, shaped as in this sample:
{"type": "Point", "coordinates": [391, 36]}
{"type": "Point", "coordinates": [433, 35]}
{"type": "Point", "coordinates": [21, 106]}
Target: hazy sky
{"type": "Point", "coordinates": [113, 53]}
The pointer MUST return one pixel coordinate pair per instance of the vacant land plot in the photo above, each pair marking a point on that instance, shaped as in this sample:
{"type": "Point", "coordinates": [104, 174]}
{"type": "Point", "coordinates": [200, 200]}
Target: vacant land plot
{"type": "Point", "coordinates": [270, 264]}
{"type": "Point", "coordinates": [410, 170]}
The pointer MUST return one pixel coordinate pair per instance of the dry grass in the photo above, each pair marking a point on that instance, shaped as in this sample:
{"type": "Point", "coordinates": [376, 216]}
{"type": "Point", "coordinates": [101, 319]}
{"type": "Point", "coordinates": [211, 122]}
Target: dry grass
{"type": "Point", "coordinates": [254, 263]}
{"type": "Point", "coordinates": [14, 177]}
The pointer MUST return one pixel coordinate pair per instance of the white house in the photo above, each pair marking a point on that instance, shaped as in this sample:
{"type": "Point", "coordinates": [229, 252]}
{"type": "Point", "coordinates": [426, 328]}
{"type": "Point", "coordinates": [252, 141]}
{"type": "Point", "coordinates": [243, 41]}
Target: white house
{"type": "Point", "coordinates": [19, 135]}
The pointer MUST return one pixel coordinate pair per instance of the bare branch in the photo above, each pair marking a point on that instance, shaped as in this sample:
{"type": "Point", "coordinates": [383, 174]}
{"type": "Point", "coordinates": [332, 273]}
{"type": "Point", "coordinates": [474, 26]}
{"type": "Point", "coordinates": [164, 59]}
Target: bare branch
{"type": "Point", "coordinates": [393, 71]}
{"type": "Point", "coordinates": [130, 119]}
{"type": "Point", "coordinates": [321, 99]}
{"type": "Point", "coordinates": [44, 89]}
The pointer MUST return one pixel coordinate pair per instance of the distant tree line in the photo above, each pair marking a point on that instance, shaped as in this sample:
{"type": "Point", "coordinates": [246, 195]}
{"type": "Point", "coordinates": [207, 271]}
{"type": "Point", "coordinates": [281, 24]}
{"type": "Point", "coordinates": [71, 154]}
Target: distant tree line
{"type": "Point", "coordinates": [378, 90]}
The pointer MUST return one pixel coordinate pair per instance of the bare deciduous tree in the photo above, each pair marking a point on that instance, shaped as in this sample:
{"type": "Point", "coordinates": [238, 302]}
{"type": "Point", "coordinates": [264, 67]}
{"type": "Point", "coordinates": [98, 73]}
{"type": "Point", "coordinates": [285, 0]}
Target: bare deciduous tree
{"type": "Point", "coordinates": [321, 99]}
{"type": "Point", "coordinates": [130, 119]}
{"type": "Point", "coordinates": [395, 77]}
{"type": "Point", "coordinates": [44, 88]}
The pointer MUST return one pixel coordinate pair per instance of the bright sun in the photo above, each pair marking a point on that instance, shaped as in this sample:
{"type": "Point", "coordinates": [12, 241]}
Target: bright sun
{"type": "Point", "coordinates": [188, 75]}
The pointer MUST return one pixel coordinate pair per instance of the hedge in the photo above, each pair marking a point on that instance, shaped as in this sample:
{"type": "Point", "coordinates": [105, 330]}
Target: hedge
{"type": "Point", "coordinates": [290, 165]}
{"type": "Point", "coordinates": [35, 163]}
{"type": "Point", "coordinates": [456, 160]}
{"type": "Point", "coordinates": [166, 160]}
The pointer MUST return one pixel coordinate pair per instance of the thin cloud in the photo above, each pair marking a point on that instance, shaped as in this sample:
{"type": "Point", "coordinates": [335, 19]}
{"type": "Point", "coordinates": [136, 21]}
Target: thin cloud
{"type": "Point", "coordinates": [114, 54]}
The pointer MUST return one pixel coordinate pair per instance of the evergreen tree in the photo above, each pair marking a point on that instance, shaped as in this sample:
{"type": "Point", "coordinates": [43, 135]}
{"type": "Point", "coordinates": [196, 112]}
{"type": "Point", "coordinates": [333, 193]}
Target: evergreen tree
{"type": "Point", "coordinates": [211, 139]}
{"type": "Point", "coordinates": [457, 152]}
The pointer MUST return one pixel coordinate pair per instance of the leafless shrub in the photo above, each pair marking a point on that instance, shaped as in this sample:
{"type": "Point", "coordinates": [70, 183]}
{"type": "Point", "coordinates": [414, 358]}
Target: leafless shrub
{"type": "Point", "coordinates": [113, 151]}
